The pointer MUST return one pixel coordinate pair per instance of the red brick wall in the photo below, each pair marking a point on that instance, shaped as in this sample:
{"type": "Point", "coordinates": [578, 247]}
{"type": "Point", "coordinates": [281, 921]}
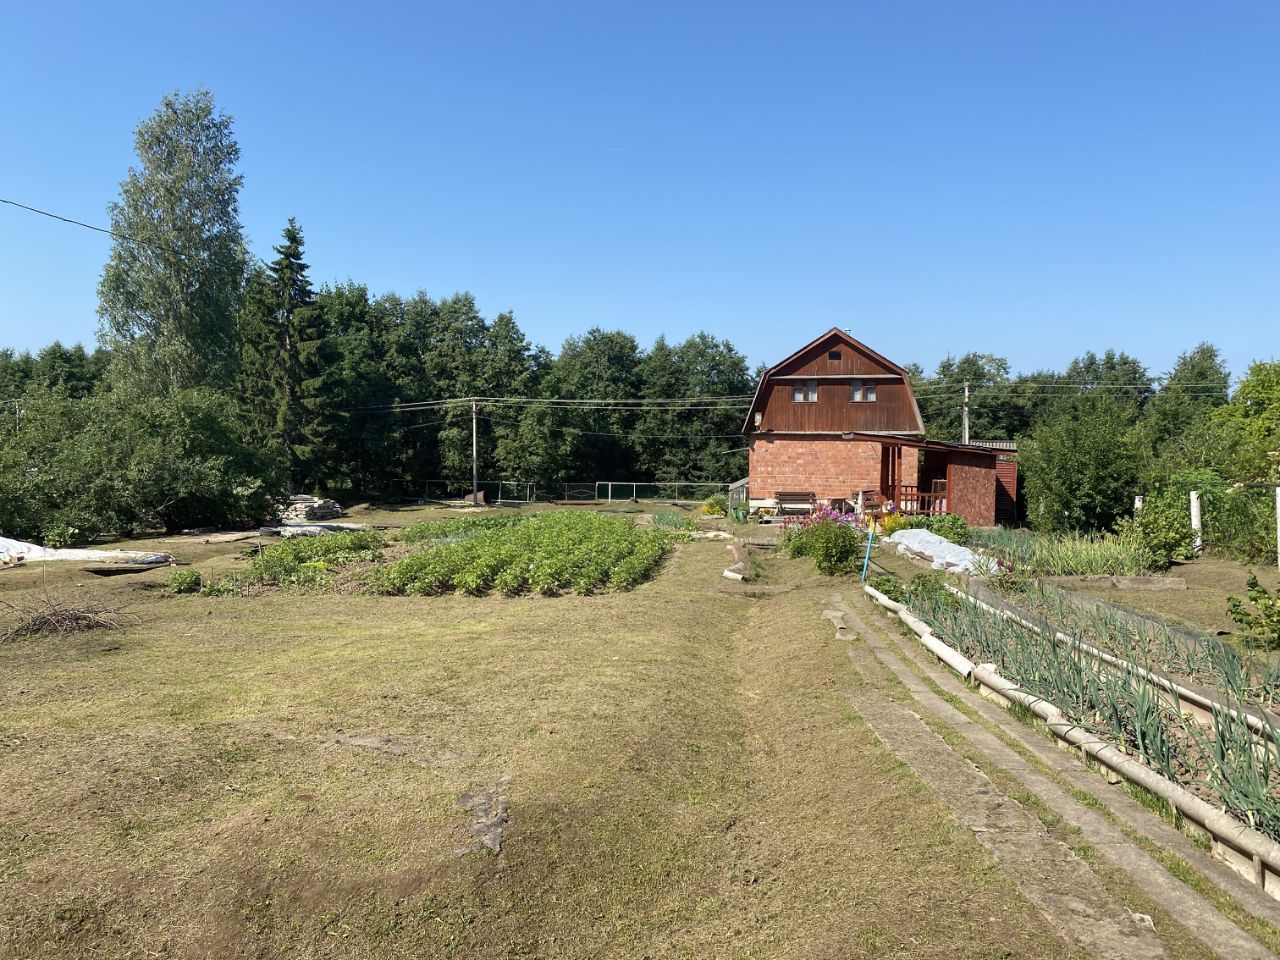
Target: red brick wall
{"type": "Point", "coordinates": [828, 466]}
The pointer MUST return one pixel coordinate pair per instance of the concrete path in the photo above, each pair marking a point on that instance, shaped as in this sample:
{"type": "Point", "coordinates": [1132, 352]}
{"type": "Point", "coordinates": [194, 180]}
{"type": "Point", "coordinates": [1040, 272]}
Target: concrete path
{"type": "Point", "coordinates": [1024, 799]}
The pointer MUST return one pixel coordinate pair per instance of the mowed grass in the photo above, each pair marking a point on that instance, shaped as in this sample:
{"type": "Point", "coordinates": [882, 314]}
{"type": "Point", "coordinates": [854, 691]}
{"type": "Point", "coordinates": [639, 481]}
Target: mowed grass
{"type": "Point", "coordinates": [1203, 605]}
{"type": "Point", "coordinates": [684, 773]}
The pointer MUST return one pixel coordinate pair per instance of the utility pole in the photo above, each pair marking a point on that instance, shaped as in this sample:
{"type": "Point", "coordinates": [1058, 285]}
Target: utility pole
{"type": "Point", "coordinates": [475, 464]}
{"type": "Point", "coordinates": [964, 416]}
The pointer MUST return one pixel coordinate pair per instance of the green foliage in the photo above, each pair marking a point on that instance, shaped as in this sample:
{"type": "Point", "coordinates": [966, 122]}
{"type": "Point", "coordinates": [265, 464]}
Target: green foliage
{"type": "Point", "coordinates": [168, 296]}
{"type": "Point", "coordinates": [835, 546]}
{"type": "Point", "coordinates": [890, 586]}
{"type": "Point", "coordinates": [548, 553]}
{"type": "Point", "coordinates": [457, 528]}
{"type": "Point", "coordinates": [122, 463]}
{"type": "Point", "coordinates": [185, 581]}
{"type": "Point", "coordinates": [930, 588]}
{"type": "Point", "coordinates": [286, 363]}
{"type": "Point", "coordinates": [670, 520]}
{"type": "Point", "coordinates": [59, 533]}
{"type": "Point", "coordinates": [1262, 623]}
{"type": "Point", "coordinates": [716, 504]}
{"type": "Point", "coordinates": [1162, 528]}
{"type": "Point", "coordinates": [306, 560]}
{"type": "Point", "coordinates": [1064, 554]}
{"type": "Point", "coordinates": [1081, 467]}
{"type": "Point", "coordinates": [950, 526]}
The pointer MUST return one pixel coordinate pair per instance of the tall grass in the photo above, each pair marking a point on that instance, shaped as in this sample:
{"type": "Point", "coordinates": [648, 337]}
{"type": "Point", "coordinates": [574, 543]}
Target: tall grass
{"type": "Point", "coordinates": [1064, 555]}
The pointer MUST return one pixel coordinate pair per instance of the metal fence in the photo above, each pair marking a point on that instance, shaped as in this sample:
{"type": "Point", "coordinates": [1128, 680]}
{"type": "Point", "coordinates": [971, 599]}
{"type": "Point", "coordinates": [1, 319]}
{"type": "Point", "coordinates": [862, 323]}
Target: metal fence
{"type": "Point", "coordinates": [520, 491]}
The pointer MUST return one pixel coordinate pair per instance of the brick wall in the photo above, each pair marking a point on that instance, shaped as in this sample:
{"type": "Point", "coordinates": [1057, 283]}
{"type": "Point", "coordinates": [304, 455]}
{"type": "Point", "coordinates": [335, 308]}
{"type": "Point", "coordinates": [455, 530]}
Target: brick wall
{"type": "Point", "coordinates": [828, 466]}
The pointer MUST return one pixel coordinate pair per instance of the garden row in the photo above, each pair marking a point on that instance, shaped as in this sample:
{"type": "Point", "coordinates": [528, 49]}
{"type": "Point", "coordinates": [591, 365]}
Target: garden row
{"type": "Point", "coordinates": [548, 553]}
{"type": "Point", "coordinates": [1226, 763]}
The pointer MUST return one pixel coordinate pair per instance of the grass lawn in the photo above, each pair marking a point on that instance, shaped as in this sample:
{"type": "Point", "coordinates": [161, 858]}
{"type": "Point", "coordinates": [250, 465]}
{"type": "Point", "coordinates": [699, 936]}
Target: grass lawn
{"type": "Point", "coordinates": [280, 776]}
{"type": "Point", "coordinates": [1203, 605]}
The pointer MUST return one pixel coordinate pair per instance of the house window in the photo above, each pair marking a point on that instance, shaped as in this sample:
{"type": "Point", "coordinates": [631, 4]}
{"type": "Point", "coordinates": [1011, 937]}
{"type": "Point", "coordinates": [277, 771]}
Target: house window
{"type": "Point", "coordinates": [805, 392]}
{"type": "Point", "coordinates": [864, 391]}
{"type": "Point", "coordinates": [833, 355]}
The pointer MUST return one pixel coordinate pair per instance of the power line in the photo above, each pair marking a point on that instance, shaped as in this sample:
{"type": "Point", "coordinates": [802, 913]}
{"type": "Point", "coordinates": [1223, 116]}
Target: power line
{"type": "Point", "coordinates": [90, 226]}
{"type": "Point", "coordinates": [635, 436]}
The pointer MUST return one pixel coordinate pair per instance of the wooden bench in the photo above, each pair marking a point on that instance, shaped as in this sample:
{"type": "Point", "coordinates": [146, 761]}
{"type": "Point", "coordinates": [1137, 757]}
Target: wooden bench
{"type": "Point", "coordinates": [790, 501]}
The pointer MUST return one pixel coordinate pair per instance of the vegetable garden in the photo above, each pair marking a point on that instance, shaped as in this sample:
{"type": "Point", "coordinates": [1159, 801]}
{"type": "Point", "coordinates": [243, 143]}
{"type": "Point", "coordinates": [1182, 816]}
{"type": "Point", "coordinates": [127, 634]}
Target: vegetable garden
{"type": "Point", "coordinates": [1225, 762]}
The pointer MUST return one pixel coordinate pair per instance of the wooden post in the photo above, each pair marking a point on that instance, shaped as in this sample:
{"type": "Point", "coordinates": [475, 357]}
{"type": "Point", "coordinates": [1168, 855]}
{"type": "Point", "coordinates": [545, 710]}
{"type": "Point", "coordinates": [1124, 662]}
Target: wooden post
{"type": "Point", "coordinates": [475, 460]}
{"type": "Point", "coordinates": [1197, 538]}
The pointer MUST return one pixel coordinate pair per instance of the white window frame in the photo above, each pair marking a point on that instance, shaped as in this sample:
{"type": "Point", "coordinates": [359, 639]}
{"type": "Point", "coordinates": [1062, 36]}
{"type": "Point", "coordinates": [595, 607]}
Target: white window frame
{"type": "Point", "coordinates": [863, 391]}
{"type": "Point", "coordinates": [804, 391]}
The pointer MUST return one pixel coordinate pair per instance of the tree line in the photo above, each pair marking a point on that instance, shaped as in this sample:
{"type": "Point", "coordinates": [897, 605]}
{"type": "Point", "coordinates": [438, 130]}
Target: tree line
{"type": "Point", "coordinates": [221, 382]}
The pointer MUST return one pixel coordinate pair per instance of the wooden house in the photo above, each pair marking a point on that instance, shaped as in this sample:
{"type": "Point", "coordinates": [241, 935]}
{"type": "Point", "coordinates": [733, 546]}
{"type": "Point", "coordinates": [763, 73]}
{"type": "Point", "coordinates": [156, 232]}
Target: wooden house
{"type": "Point", "coordinates": [836, 421]}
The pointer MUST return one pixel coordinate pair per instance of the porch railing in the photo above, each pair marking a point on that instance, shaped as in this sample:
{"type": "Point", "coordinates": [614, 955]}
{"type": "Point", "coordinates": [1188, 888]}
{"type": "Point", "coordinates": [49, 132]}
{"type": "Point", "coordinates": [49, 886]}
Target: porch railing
{"type": "Point", "coordinates": [910, 499]}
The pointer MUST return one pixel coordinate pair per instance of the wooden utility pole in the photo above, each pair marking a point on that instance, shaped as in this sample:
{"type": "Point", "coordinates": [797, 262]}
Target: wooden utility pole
{"type": "Point", "coordinates": [475, 460]}
{"type": "Point", "coordinates": [964, 415]}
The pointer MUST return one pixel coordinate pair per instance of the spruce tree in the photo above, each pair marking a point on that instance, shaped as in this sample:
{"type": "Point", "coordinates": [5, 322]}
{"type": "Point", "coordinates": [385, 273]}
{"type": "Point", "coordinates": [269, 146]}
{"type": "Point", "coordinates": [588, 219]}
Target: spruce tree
{"type": "Point", "coordinates": [285, 361]}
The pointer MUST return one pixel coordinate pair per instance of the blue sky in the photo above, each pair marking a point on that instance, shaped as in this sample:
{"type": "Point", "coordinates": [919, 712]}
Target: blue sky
{"type": "Point", "coordinates": [1027, 178]}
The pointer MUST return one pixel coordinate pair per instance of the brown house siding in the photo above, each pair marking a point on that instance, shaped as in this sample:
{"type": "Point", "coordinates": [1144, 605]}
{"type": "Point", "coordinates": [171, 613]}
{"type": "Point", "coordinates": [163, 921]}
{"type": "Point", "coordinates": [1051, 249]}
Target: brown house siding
{"type": "Point", "coordinates": [835, 412]}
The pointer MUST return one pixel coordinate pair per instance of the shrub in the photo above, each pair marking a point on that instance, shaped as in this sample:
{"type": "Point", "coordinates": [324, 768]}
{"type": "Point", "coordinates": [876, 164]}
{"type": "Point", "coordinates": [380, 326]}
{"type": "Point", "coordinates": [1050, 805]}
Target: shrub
{"type": "Point", "coordinates": [1162, 529]}
{"type": "Point", "coordinates": [715, 504]}
{"type": "Point", "coordinates": [832, 539]}
{"type": "Point", "coordinates": [122, 463]}
{"type": "Point", "coordinates": [1262, 623]}
{"type": "Point", "coordinates": [893, 523]}
{"type": "Point", "coordinates": [185, 581]}
{"type": "Point", "coordinates": [950, 526]}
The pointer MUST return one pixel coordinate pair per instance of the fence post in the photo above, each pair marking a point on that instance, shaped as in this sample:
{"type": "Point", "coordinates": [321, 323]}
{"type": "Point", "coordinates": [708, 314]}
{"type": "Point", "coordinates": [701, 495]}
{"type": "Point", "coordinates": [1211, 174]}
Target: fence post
{"type": "Point", "coordinates": [609, 491]}
{"type": "Point", "coordinates": [1197, 529]}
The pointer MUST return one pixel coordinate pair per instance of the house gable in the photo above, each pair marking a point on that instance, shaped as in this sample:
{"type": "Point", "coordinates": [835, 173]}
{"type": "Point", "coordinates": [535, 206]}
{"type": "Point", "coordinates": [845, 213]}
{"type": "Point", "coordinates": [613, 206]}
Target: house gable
{"type": "Point", "coordinates": [829, 366]}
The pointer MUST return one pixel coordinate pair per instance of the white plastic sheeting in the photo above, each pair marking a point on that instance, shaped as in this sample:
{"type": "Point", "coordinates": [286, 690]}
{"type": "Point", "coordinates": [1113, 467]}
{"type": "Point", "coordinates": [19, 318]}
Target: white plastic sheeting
{"type": "Point", "coordinates": [941, 552]}
{"type": "Point", "coordinates": [13, 550]}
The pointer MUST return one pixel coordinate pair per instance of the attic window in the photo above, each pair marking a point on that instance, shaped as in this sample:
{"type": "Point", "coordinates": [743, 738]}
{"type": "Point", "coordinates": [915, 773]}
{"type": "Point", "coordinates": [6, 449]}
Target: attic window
{"type": "Point", "coordinates": [833, 355]}
{"type": "Point", "coordinates": [864, 391]}
{"type": "Point", "coordinates": [805, 392]}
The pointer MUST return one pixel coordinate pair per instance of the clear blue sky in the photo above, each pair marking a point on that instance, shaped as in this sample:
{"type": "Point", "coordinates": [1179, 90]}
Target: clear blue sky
{"type": "Point", "coordinates": [1028, 178]}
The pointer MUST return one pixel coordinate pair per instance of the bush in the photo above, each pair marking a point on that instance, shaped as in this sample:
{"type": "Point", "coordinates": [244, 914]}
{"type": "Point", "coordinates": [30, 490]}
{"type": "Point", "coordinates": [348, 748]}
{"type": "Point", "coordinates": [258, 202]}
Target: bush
{"type": "Point", "coordinates": [715, 504]}
{"type": "Point", "coordinates": [893, 523]}
{"type": "Point", "coordinates": [1162, 529]}
{"type": "Point", "coordinates": [1262, 623]}
{"type": "Point", "coordinates": [185, 581]}
{"type": "Point", "coordinates": [122, 463]}
{"type": "Point", "coordinates": [833, 540]}
{"type": "Point", "coordinates": [950, 526]}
